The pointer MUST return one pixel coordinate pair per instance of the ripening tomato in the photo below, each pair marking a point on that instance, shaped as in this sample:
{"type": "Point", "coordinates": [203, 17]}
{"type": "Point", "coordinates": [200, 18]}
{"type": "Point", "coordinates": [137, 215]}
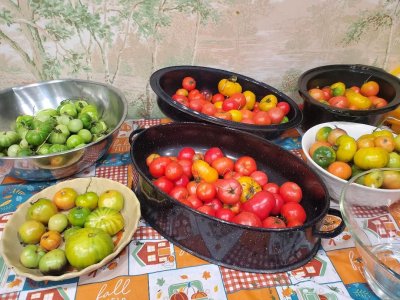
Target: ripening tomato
{"type": "Point", "coordinates": [246, 114]}
{"type": "Point", "coordinates": [339, 101]}
{"type": "Point", "coordinates": [369, 88]}
{"type": "Point", "coordinates": [212, 154]}
{"type": "Point", "coordinates": [224, 115]}
{"type": "Point", "coordinates": [223, 165]}
{"type": "Point", "coordinates": [273, 222]}
{"type": "Point", "coordinates": [186, 153]}
{"type": "Point", "coordinates": [164, 184]}
{"type": "Point", "coordinates": [202, 170]}
{"type": "Point", "coordinates": [260, 176]}
{"type": "Point", "coordinates": [183, 92]}
{"type": "Point", "coordinates": [188, 83]}
{"type": "Point", "coordinates": [293, 211]}
{"type": "Point", "coordinates": [65, 198]}
{"type": "Point", "coordinates": [245, 165]}
{"type": "Point", "coordinates": [249, 188]}
{"type": "Point", "coordinates": [157, 166]}
{"type": "Point", "coordinates": [173, 171]}
{"type": "Point", "coordinates": [317, 94]}
{"type": "Point", "coordinates": [206, 191]}
{"type": "Point", "coordinates": [340, 169]}
{"type": "Point", "coordinates": [50, 240]}
{"type": "Point", "coordinates": [181, 99]}
{"type": "Point", "coordinates": [261, 118]}
{"type": "Point", "coordinates": [327, 92]}
{"type": "Point", "coordinates": [291, 192]}
{"type": "Point", "coordinates": [229, 191]}
{"type": "Point", "coordinates": [248, 219]}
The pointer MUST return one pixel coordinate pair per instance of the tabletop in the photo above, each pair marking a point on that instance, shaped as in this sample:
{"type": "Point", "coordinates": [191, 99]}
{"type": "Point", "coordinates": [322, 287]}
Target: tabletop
{"type": "Point", "coordinates": [151, 267]}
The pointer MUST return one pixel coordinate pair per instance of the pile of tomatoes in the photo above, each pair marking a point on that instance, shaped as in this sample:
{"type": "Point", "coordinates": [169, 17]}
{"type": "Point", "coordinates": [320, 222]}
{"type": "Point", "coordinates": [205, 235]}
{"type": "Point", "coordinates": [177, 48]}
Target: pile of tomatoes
{"type": "Point", "coordinates": [231, 190]}
{"type": "Point", "coordinates": [354, 97]}
{"type": "Point", "coordinates": [230, 103]}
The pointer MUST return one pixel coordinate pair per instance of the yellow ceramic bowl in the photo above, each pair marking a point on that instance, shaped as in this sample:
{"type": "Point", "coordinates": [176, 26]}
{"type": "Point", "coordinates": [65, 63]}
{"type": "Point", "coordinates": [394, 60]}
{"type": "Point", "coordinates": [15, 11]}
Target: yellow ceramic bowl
{"type": "Point", "coordinates": [11, 247]}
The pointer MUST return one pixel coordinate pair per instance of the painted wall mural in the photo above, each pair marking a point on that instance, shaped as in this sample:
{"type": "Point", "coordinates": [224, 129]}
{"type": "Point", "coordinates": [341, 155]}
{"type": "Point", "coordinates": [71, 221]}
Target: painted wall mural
{"type": "Point", "coordinates": [122, 42]}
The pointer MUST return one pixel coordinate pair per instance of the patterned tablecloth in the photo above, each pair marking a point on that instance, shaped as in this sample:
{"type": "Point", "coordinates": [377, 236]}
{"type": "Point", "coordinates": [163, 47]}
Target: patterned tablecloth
{"type": "Point", "coordinates": [150, 267]}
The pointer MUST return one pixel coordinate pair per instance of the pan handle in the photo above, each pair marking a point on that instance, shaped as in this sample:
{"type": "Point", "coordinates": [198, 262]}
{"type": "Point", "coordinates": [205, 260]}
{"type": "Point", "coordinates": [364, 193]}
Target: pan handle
{"type": "Point", "coordinates": [134, 133]}
{"type": "Point", "coordinates": [332, 225]}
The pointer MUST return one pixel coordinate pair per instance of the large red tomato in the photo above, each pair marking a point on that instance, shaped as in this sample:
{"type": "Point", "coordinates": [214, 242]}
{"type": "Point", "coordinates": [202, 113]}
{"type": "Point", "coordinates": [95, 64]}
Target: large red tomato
{"type": "Point", "coordinates": [247, 218]}
{"type": "Point", "coordinates": [212, 154]}
{"type": "Point", "coordinates": [157, 166]}
{"type": "Point", "coordinates": [291, 191]}
{"type": "Point", "coordinates": [293, 211]}
{"type": "Point", "coordinates": [260, 204]}
{"type": "Point", "coordinates": [164, 184]}
{"type": "Point", "coordinates": [223, 165]}
{"type": "Point", "coordinates": [206, 191]}
{"type": "Point", "coordinates": [207, 209]}
{"type": "Point", "coordinates": [228, 190]}
{"type": "Point", "coordinates": [189, 83]}
{"type": "Point", "coordinates": [239, 98]}
{"type": "Point", "coordinates": [173, 171]}
{"type": "Point", "coordinates": [271, 187]}
{"type": "Point", "coordinates": [225, 214]}
{"type": "Point", "coordinates": [276, 115]}
{"type": "Point", "coordinates": [180, 193]}
{"type": "Point", "coordinates": [245, 165]}
{"type": "Point", "coordinates": [186, 153]}
{"type": "Point", "coordinates": [186, 167]}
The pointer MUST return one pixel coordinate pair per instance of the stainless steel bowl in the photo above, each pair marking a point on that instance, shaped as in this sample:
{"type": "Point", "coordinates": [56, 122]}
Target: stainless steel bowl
{"type": "Point", "coordinates": [31, 98]}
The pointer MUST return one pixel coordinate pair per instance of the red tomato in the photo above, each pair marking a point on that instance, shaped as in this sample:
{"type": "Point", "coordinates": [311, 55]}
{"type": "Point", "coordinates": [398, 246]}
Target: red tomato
{"type": "Point", "coordinates": [317, 94]}
{"type": "Point", "coordinates": [327, 92]}
{"type": "Point", "coordinates": [271, 187]}
{"type": "Point", "coordinates": [294, 223]}
{"type": "Point", "coordinates": [182, 181]}
{"type": "Point", "coordinates": [192, 187]}
{"type": "Point", "coordinates": [245, 165]}
{"type": "Point", "coordinates": [206, 191]}
{"type": "Point", "coordinates": [339, 101]}
{"type": "Point", "coordinates": [273, 222]}
{"type": "Point", "coordinates": [248, 121]}
{"type": "Point", "coordinates": [180, 193]}
{"type": "Point", "coordinates": [194, 201]}
{"type": "Point", "coordinates": [189, 83]}
{"type": "Point", "coordinates": [209, 109]}
{"type": "Point", "coordinates": [173, 171]}
{"type": "Point", "coordinates": [261, 118]}
{"type": "Point", "coordinates": [181, 99]}
{"type": "Point", "coordinates": [284, 106]}
{"type": "Point", "coordinates": [212, 154]}
{"type": "Point", "coordinates": [235, 208]}
{"type": "Point", "coordinates": [230, 104]}
{"type": "Point", "coordinates": [186, 153]}
{"type": "Point", "coordinates": [291, 192]}
{"type": "Point", "coordinates": [260, 204]}
{"type": "Point", "coordinates": [228, 190]}
{"type": "Point", "coordinates": [197, 104]}
{"type": "Point", "coordinates": [225, 214]}
{"type": "Point", "coordinates": [232, 175]}
{"type": "Point", "coordinates": [186, 167]}
{"type": "Point", "coordinates": [217, 97]}
{"type": "Point", "coordinates": [223, 165]}
{"type": "Point", "coordinates": [193, 93]}
{"type": "Point", "coordinates": [215, 204]}
{"type": "Point", "coordinates": [278, 204]}
{"type": "Point", "coordinates": [378, 102]}
{"type": "Point", "coordinates": [293, 211]}
{"type": "Point", "coordinates": [260, 176]}
{"type": "Point", "coordinates": [239, 98]}
{"type": "Point", "coordinates": [157, 166]}
{"type": "Point", "coordinates": [246, 114]}
{"type": "Point", "coordinates": [150, 158]}
{"type": "Point", "coordinates": [164, 184]}
{"type": "Point", "coordinates": [276, 115]}
{"type": "Point", "coordinates": [207, 209]}
{"type": "Point", "coordinates": [247, 218]}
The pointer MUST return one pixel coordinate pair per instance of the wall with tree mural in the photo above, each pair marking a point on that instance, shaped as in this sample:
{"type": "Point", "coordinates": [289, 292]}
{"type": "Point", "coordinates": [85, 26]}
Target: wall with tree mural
{"type": "Point", "coordinates": [122, 42]}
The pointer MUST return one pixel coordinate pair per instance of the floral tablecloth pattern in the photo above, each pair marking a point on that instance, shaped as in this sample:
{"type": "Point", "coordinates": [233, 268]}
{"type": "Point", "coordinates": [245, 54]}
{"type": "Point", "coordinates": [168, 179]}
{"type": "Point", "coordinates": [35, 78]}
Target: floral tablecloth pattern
{"type": "Point", "coordinates": [151, 267]}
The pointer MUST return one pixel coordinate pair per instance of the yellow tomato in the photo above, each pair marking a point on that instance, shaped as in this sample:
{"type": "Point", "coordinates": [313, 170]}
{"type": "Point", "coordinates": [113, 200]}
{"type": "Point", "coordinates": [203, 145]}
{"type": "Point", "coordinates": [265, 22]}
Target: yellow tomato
{"type": "Point", "coordinates": [250, 100]}
{"type": "Point", "coordinates": [357, 100]}
{"type": "Point", "coordinates": [346, 148]}
{"type": "Point", "coordinates": [268, 102]}
{"type": "Point", "coordinates": [236, 115]}
{"type": "Point", "coordinates": [249, 187]}
{"type": "Point", "coordinates": [228, 87]}
{"type": "Point", "coordinates": [218, 104]}
{"type": "Point", "coordinates": [371, 158]}
{"type": "Point", "coordinates": [202, 170]}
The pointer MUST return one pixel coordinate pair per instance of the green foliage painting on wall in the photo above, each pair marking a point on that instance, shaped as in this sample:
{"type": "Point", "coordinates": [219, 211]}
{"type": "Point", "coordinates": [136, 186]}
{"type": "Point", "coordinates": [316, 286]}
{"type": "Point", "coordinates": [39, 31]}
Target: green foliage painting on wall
{"type": "Point", "coordinates": [121, 42]}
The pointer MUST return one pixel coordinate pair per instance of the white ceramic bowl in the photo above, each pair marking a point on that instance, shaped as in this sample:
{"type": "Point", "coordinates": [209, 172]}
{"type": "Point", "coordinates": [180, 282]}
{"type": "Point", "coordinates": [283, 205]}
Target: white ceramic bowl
{"type": "Point", "coordinates": [336, 184]}
{"type": "Point", "coordinates": [11, 247]}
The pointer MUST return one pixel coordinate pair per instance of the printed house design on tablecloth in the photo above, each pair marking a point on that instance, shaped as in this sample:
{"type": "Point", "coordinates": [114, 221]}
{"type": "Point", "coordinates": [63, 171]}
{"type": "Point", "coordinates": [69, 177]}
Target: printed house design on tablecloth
{"type": "Point", "coordinates": [315, 267]}
{"type": "Point", "coordinates": [381, 226]}
{"type": "Point", "coordinates": [51, 294]}
{"type": "Point", "coordinates": [152, 253]}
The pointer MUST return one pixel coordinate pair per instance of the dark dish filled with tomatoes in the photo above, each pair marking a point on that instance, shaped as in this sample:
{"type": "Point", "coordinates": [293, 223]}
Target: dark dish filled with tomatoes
{"type": "Point", "coordinates": [353, 93]}
{"type": "Point", "coordinates": [202, 94]}
{"type": "Point", "coordinates": [246, 203]}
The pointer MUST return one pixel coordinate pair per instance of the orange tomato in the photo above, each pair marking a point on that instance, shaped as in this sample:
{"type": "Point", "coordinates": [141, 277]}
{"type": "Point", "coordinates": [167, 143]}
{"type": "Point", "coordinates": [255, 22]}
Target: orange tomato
{"type": "Point", "coordinates": [340, 169]}
{"type": "Point", "coordinates": [50, 240]}
{"type": "Point", "coordinates": [202, 170]}
{"type": "Point", "coordinates": [370, 88]}
{"type": "Point", "coordinates": [65, 198]}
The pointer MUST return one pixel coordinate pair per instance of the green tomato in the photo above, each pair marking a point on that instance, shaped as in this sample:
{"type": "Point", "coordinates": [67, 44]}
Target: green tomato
{"type": "Point", "coordinates": [45, 114]}
{"type": "Point", "coordinates": [88, 246]}
{"type": "Point", "coordinates": [63, 119]}
{"type": "Point", "coordinates": [70, 231]}
{"type": "Point", "coordinates": [56, 137]}
{"type": "Point", "coordinates": [24, 120]}
{"type": "Point", "coordinates": [31, 255]}
{"type": "Point", "coordinates": [44, 126]}
{"type": "Point", "coordinates": [13, 150]}
{"type": "Point", "coordinates": [36, 137]}
{"type": "Point", "coordinates": [8, 138]}
{"type": "Point", "coordinates": [61, 128]}
{"type": "Point", "coordinates": [324, 156]}
{"type": "Point", "coordinates": [43, 149]}
{"type": "Point", "coordinates": [57, 148]}
{"type": "Point", "coordinates": [78, 215]}
{"type": "Point", "coordinates": [21, 130]}
{"type": "Point", "coordinates": [86, 120]}
{"type": "Point", "coordinates": [88, 199]}
{"type": "Point", "coordinates": [53, 262]}
{"type": "Point", "coordinates": [58, 222]}
{"type": "Point", "coordinates": [99, 127]}
{"type": "Point", "coordinates": [98, 137]}
{"type": "Point", "coordinates": [80, 104]}
{"type": "Point", "coordinates": [91, 110]}
{"type": "Point", "coordinates": [25, 152]}
{"type": "Point", "coordinates": [74, 141]}
{"type": "Point", "coordinates": [42, 210]}
{"type": "Point", "coordinates": [24, 144]}
{"type": "Point", "coordinates": [30, 231]}
{"type": "Point", "coordinates": [68, 109]}
{"type": "Point", "coordinates": [109, 220]}
{"type": "Point", "coordinates": [75, 125]}
{"type": "Point", "coordinates": [86, 135]}
{"type": "Point", "coordinates": [111, 199]}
